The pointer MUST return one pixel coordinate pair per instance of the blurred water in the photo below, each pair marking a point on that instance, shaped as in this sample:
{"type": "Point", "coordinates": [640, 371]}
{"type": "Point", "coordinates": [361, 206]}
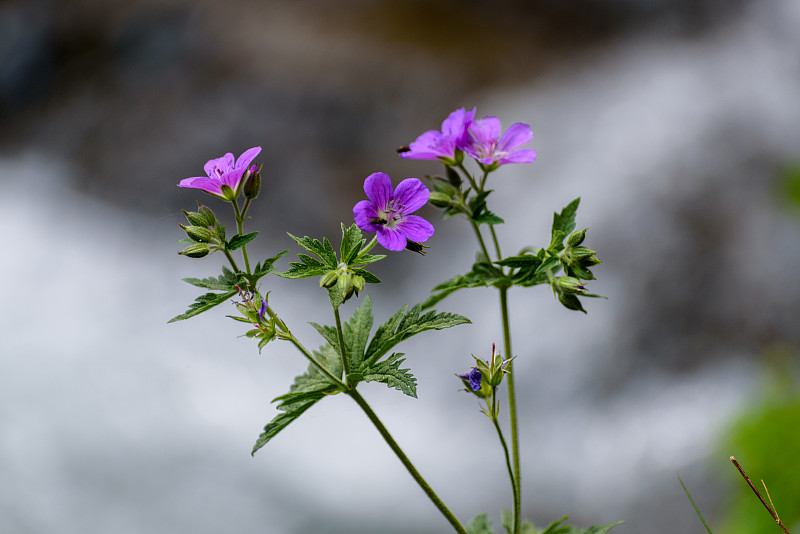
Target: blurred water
{"type": "Point", "coordinates": [114, 421]}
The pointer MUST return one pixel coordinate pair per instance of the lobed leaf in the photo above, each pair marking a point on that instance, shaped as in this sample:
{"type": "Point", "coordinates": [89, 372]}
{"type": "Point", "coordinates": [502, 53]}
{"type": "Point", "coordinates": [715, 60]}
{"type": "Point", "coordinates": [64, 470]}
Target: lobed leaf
{"type": "Point", "coordinates": [564, 222]}
{"type": "Point", "coordinates": [225, 282]}
{"type": "Point", "coordinates": [388, 372]}
{"type": "Point", "coordinates": [204, 303]}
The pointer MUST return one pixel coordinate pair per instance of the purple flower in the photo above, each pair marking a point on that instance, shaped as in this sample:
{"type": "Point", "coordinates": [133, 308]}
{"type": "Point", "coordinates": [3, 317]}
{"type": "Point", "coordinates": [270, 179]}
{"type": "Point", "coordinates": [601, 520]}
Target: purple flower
{"type": "Point", "coordinates": [473, 376]}
{"type": "Point", "coordinates": [262, 310]}
{"type": "Point", "coordinates": [389, 212]}
{"type": "Point", "coordinates": [442, 145]}
{"type": "Point", "coordinates": [484, 142]}
{"type": "Point", "coordinates": [222, 171]}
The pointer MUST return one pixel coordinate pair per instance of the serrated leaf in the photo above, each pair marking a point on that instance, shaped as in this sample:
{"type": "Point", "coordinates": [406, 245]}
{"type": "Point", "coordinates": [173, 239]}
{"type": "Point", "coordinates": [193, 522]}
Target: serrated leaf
{"type": "Point", "coordinates": [352, 241]}
{"type": "Point", "coordinates": [480, 525]}
{"type": "Point", "coordinates": [483, 274]}
{"type": "Point", "coordinates": [307, 389]}
{"type": "Point", "coordinates": [323, 250]}
{"type": "Point", "coordinates": [225, 282]}
{"type": "Point", "coordinates": [368, 276]}
{"type": "Point", "coordinates": [388, 372]}
{"type": "Point", "coordinates": [405, 324]}
{"type": "Point", "coordinates": [365, 258]}
{"type": "Point", "coordinates": [203, 303]}
{"type": "Point", "coordinates": [238, 241]}
{"type": "Point", "coordinates": [564, 222]}
{"type": "Point", "coordinates": [487, 217]}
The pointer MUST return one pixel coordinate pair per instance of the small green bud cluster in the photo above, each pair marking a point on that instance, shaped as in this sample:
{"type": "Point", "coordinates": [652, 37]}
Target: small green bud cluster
{"type": "Point", "coordinates": [254, 310]}
{"type": "Point", "coordinates": [346, 281]}
{"type": "Point", "coordinates": [576, 259]}
{"type": "Point", "coordinates": [205, 234]}
{"type": "Point", "coordinates": [252, 183]}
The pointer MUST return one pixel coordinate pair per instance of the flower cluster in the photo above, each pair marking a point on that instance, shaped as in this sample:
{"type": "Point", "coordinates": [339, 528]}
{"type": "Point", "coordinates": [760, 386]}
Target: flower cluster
{"type": "Point", "coordinates": [482, 139]}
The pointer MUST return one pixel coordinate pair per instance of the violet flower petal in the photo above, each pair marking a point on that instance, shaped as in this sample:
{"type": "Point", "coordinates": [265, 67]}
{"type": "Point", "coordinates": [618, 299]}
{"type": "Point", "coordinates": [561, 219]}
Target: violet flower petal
{"type": "Point", "coordinates": [412, 194]}
{"type": "Point", "coordinates": [378, 188]}
{"type": "Point", "coordinates": [415, 228]}
{"type": "Point", "coordinates": [518, 134]}
{"type": "Point", "coordinates": [364, 213]}
{"type": "Point", "coordinates": [391, 238]}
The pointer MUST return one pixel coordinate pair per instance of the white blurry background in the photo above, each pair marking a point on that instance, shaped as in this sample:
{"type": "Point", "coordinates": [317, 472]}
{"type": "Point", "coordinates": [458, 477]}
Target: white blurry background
{"type": "Point", "coordinates": [671, 124]}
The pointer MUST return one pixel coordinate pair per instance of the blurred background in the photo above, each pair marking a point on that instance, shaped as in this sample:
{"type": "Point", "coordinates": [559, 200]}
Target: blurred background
{"type": "Point", "coordinates": [678, 123]}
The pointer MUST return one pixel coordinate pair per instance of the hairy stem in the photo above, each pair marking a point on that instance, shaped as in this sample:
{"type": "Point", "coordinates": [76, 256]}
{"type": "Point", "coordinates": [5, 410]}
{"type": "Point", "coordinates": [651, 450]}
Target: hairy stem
{"type": "Point", "coordinates": [239, 226]}
{"type": "Point", "coordinates": [511, 476]}
{"type": "Point", "coordinates": [512, 409]}
{"type": "Point", "coordinates": [342, 347]}
{"type": "Point", "coordinates": [406, 462]}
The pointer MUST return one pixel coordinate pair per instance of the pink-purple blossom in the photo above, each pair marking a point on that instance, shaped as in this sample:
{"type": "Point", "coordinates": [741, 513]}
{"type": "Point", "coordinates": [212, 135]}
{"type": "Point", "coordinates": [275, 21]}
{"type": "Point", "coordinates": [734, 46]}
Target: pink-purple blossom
{"type": "Point", "coordinates": [223, 171]}
{"type": "Point", "coordinates": [388, 212]}
{"type": "Point", "coordinates": [484, 142]}
{"type": "Point", "coordinates": [443, 144]}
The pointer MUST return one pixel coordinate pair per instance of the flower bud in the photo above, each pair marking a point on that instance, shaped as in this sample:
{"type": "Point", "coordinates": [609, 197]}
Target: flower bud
{"type": "Point", "coordinates": [329, 279]}
{"type": "Point", "coordinates": [576, 238]}
{"type": "Point", "coordinates": [252, 184]}
{"type": "Point", "coordinates": [198, 233]}
{"type": "Point", "coordinates": [439, 199]}
{"type": "Point", "coordinates": [419, 248]}
{"type": "Point", "coordinates": [206, 212]}
{"type": "Point", "coordinates": [197, 250]}
{"type": "Point", "coordinates": [358, 282]}
{"type": "Point", "coordinates": [570, 286]}
{"type": "Point", "coordinates": [195, 218]}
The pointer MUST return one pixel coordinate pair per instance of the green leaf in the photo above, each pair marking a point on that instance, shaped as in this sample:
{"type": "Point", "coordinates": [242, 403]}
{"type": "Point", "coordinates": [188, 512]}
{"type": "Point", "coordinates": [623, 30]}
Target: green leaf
{"type": "Point", "coordinates": [365, 258]}
{"type": "Point", "coordinates": [483, 274]}
{"type": "Point", "coordinates": [204, 303]}
{"type": "Point", "coordinates": [238, 241]}
{"type": "Point", "coordinates": [487, 217]}
{"type": "Point", "coordinates": [525, 528]}
{"type": "Point", "coordinates": [352, 241]}
{"type": "Point", "coordinates": [306, 267]}
{"type": "Point", "coordinates": [225, 282]}
{"type": "Point", "coordinates": [564, 222]}
{"type": "Point", "coordinates": [480, 525]}
{"type": "Point", "coordinates": [405, 324]}
{"type": "Point", "coordinates": [388, 372]}
{"type": "Point", "coordinates": [594, 529]}
{"type": "Point", "coordinates": [308, 389]}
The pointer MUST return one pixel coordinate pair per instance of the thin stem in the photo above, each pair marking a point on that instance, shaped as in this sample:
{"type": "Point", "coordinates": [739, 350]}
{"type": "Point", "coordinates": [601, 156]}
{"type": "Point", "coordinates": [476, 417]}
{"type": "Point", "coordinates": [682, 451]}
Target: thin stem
{"type": "Point", "coordinates": [771, 510]}
{"type": "Point", "coordinates": [239, 226]}
{"type": "Point", "coordinates": [405, 461]}
{"type": "Point", "coordinates": [496, 243]}
{"type": "Point", "coordinates": [480, 241]}
{"type": "Point", "coordinates": [230, 259]}
{"type": "Point", "coordinates": [342, 347]}
{"type": "Point", "coordinates": [514, 491]}
{"type": "Point", "coordinates": [294, 341]}
{"type": "Point", "coordinates": [512, 408]}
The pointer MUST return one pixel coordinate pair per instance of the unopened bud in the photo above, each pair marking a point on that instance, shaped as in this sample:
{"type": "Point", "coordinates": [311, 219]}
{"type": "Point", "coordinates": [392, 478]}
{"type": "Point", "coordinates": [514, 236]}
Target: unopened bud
{"type": "Point", "coordinates": [439, 199]}
{"type": "Point", "coordinates": [198, 233]}
{"type": "Point", "coordinates": [419, 248]}
{"type": "Point", "coordinates": [329, 279]}
{"type": "Point", "coordinates": [358, 282]}
{"type": "Point", "coordinates": [206, 212]}
{"type": "Point", "coordinates": [195, 218]}
{"type": "Point", "coordinates": [252, 184]}
{"type": "Point", "coordinates": [570, 286]}
{"type": "Point", "coordinates": [198, 250]}
{"type": "Point", "coordinates": [576, 238]}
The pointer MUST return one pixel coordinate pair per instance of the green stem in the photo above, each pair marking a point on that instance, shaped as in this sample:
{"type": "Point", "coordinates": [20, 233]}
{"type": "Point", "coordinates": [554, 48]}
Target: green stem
{"type": "Point", "coordinates": [405, 461]}
{"type": "Point", "coordinates": [230, 259]}
{"type": "Point", "coordinates": [342, 347]}
{"type": "Point", "coordinates": [239, 226]}
{"type": "Point", "coordinates": [514, 491]}
{"type": "Point", "coordinates": [304, 351]}
{"type": "Point", "coordinates": [496, 242]}
{"type": "Point", "coordinates": [512, 408]}
{"type": "Point", "coordinates": [480, 241]}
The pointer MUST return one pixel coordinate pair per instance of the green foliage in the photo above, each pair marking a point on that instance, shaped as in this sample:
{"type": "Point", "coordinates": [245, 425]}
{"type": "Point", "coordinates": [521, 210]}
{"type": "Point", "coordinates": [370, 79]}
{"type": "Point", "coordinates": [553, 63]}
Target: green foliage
{"type": "Point", "coordinates": [764, 440]}
{"type": "Point", "coordinates": [563, 224]}
{"type": "Point", "coordinates": [204, 303]}
{"type": "Point", "coordinates": [342, 278]}
{"type": "Point", "coordinates": [368, 362]}
{"type": "Point", "coordinates": [483, 274]}
{"type": "Point", "coordinates": [238, 241]}
{"type": "Point", "coordinates": [482, 525]}
{"type": "Point", "coordinates": [479, 212]}
{"type": "Point", "coordinates": [308, 389]}
{"type": "Point", "coordinates": [226, 282]}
